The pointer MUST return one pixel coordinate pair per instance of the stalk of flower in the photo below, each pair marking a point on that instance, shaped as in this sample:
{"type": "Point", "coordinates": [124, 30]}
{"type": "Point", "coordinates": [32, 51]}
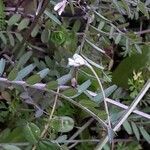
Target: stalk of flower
{"type": "Point", "coordinates": [77, 61]}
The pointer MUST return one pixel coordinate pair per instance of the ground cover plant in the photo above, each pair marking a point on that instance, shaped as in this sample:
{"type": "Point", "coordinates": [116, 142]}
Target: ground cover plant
{"type": "Point", "coordinates": [74, 74]}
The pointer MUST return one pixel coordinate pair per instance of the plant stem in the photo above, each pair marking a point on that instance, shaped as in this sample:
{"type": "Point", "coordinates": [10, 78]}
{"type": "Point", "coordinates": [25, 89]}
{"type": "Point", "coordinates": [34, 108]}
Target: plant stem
{"type": "Point", "coordinates": [126, 114]}
{"type": "Point", "coordinates": [103, 93]}
{"type": "Point", "coordinates": [43, 134]}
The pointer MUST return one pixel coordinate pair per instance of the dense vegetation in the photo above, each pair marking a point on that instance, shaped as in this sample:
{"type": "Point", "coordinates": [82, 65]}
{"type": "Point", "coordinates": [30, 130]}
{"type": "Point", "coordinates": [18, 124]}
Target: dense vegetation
{"type": "Point", "coordinates": [74, 74]}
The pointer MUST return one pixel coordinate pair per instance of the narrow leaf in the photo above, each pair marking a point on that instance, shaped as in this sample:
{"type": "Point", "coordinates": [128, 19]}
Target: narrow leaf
{"type": "Point", "coordinates": [11, 39]}
{"type": "Point", "coordinates": [135, 130]}
{"type": "Point", "coordinates": [10, 147]}
{"type": "Point", "coordinates": [62, 124]}
{"type": "Point", "coordinates": [127, 127]}
{"type": "Point", "coordinates": [23, 24]}
{"type": "Point", "coordinates": [81, 88]}
{"type": "Point", "coordinates": [118, 38]}
{"type": "Point", "coordinates": [145, 134]}
{"type": "Point", "coordinates": [34, 79]}
{"type": "Point", "coordinates": [3, 38]}
{"type": "Point", "coordinates": [35, 30]}
{"type": "Point", "coordinates": [14, 19]}
{"type": "Point", "coordinates": [23, 60]}
{"type": "Point", "coordinates": [31, 132]}
{"type": "Point", "coordinates": [52, 17]}
{"type": "Point", "coordinates": [43, 73]}
{"type": "Point", "coordinates": [93, 63]}
{"type": "Point", "coordinates": [2, 65]}
{"type": "Point", "coordinates": [24, 72]}
{"type": "Point", "coordinates": [45, 36]}
{"type": "Point", "coordinates": [94, 46]}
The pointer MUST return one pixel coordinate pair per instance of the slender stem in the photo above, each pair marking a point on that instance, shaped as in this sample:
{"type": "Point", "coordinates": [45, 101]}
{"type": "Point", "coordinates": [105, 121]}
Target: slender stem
{"type": "Point", "coordinates": [81, 129]}
{"type": "Point", "coordinates": [103, 93]}
{"type": "Point", "coordinates": [133, 105]}
{"type": "Point", "coordinates": [147, 116]}
{"type": "Point", "coordinates": [84, 34]}
{"type": "Point", "coordinates": [126, 114]}
{"type": "Point", "coordinates": [42, 87]}
{"type": "Point", "coordinates": [26, 35]}
{"type": "Point", "coordinates": [43, 134]}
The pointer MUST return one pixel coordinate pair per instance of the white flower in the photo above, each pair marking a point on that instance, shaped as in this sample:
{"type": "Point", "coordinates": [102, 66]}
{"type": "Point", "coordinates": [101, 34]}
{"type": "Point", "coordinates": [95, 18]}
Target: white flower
{"type": "Point", "coordinates": [60, 7]}
{"type": "Point", "coordinates": [76, 61]}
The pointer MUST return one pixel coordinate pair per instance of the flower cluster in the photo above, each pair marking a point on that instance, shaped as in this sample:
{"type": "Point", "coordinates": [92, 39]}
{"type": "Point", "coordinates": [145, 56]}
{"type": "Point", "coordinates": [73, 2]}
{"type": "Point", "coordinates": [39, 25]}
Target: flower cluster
{"type": "Point", "coordinates": [76, 61]}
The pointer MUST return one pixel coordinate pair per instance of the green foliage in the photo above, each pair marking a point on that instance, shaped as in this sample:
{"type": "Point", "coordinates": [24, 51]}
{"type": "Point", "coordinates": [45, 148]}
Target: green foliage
{"type": "Point", "coordinates": [136, 83]}
{"type": "Point", "coordinates": [62, 124]}
{"type": "Point", "coordinates": [58, 37]}
{"type": "Point", "coordinates": [31, 132]}
{"type": "Point", "coordinates": [128, 65]}
{"type": "Point", "coordinates": [137, 130]}
{"type": "Point", "coordinates": [2, 15]}
{"type": "Point", "coordinates": [48, 104]}
{"type": "Point", "coordinates": [129, 146]}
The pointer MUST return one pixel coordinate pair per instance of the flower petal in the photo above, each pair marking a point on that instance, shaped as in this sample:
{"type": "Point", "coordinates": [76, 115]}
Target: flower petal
{"type": "Point", "coordinates": [58, 6]}
{"type": "Point", "coordinates": [76, 61]}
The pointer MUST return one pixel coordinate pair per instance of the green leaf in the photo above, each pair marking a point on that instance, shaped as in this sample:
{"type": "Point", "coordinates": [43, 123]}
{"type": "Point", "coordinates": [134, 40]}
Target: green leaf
{"type": "Point", "coordinates": [31, 132]}
{"type": "Point", "coordinates": [101, 25]}
{"type": "Point", "coordinates": [24, 72]}
{"type": "Point", "coordinates": [35, 31]}
{"type": "Point", "coordinates": [138, 48]}
{"type": "Point", "coordinates": [125, 4]}
{"type": "Point", "coordinates": [45, 36]}
{"type": "Point", "coordinates": [52, 85]}
{"type": "Point", "coordinates": [19, 36]}
{"type": "Point", "coordinates": [101, 16]}
{"type": "Point", "coordinates": [58, 37]}
{"type": "Point", "coordinates": [145, 134]}
{"type": "Point", "coordinates": [14, 19]}
{"type": "Point", "coordinates": [3, 38]}
{"type": "Point", "coordinates": [43, 73]}
{"type": "Point", "coordinates": [118, 38]}
{"type": "Point", "coordinates": [70, 92]}
{"type": "Point", "coordinates": [135, 130]}
{"type": "Point", "coordinates": [84, 86]}
{"type": "Point", "coordinates": [13, 74]}
{"type": "Point", "coordinates": [11, 147]}
{"type": "Point", "coordinates": [24, 58]}
{"type": "Point", "coordinates": [87, 103]}
{"type": "Point", "coordinates": [111, 32]}
{"type": "Point", "coordinates": [64, 79]}
{"type": "Point", "coordinates": [143, 9]}
{"type": "Point", "coordinates": [16, 135]}
{"type": "Point", "coordinates": [46, 145]}
{"type": "Point", "coordinates": [23, 24]}
{"type": "Point", "coordinates": [127, 127]}
{"type": "Point", "coordinates": [128, 65]}
{"type": "Point", "coordinates": [62, 124]}
{"type": "Point", "coordinates": [99, 97]}
{"type": "Point", "coordinates": [2, 65]}
{"type": "Point", "coordinates": [76, 26]}
{"type": "Point", "coordinates": [34, 79]}
{"type": "Point", "coordinates": [92, 62]}
{"type": "Point", "coordinates": [72, 7]}
{"type": "Point", "coordinates": [11, 39]}
{"type": "Point", "coordinates": [94, 46]}
{"type": "Point", "coordinates": [52, 17]}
